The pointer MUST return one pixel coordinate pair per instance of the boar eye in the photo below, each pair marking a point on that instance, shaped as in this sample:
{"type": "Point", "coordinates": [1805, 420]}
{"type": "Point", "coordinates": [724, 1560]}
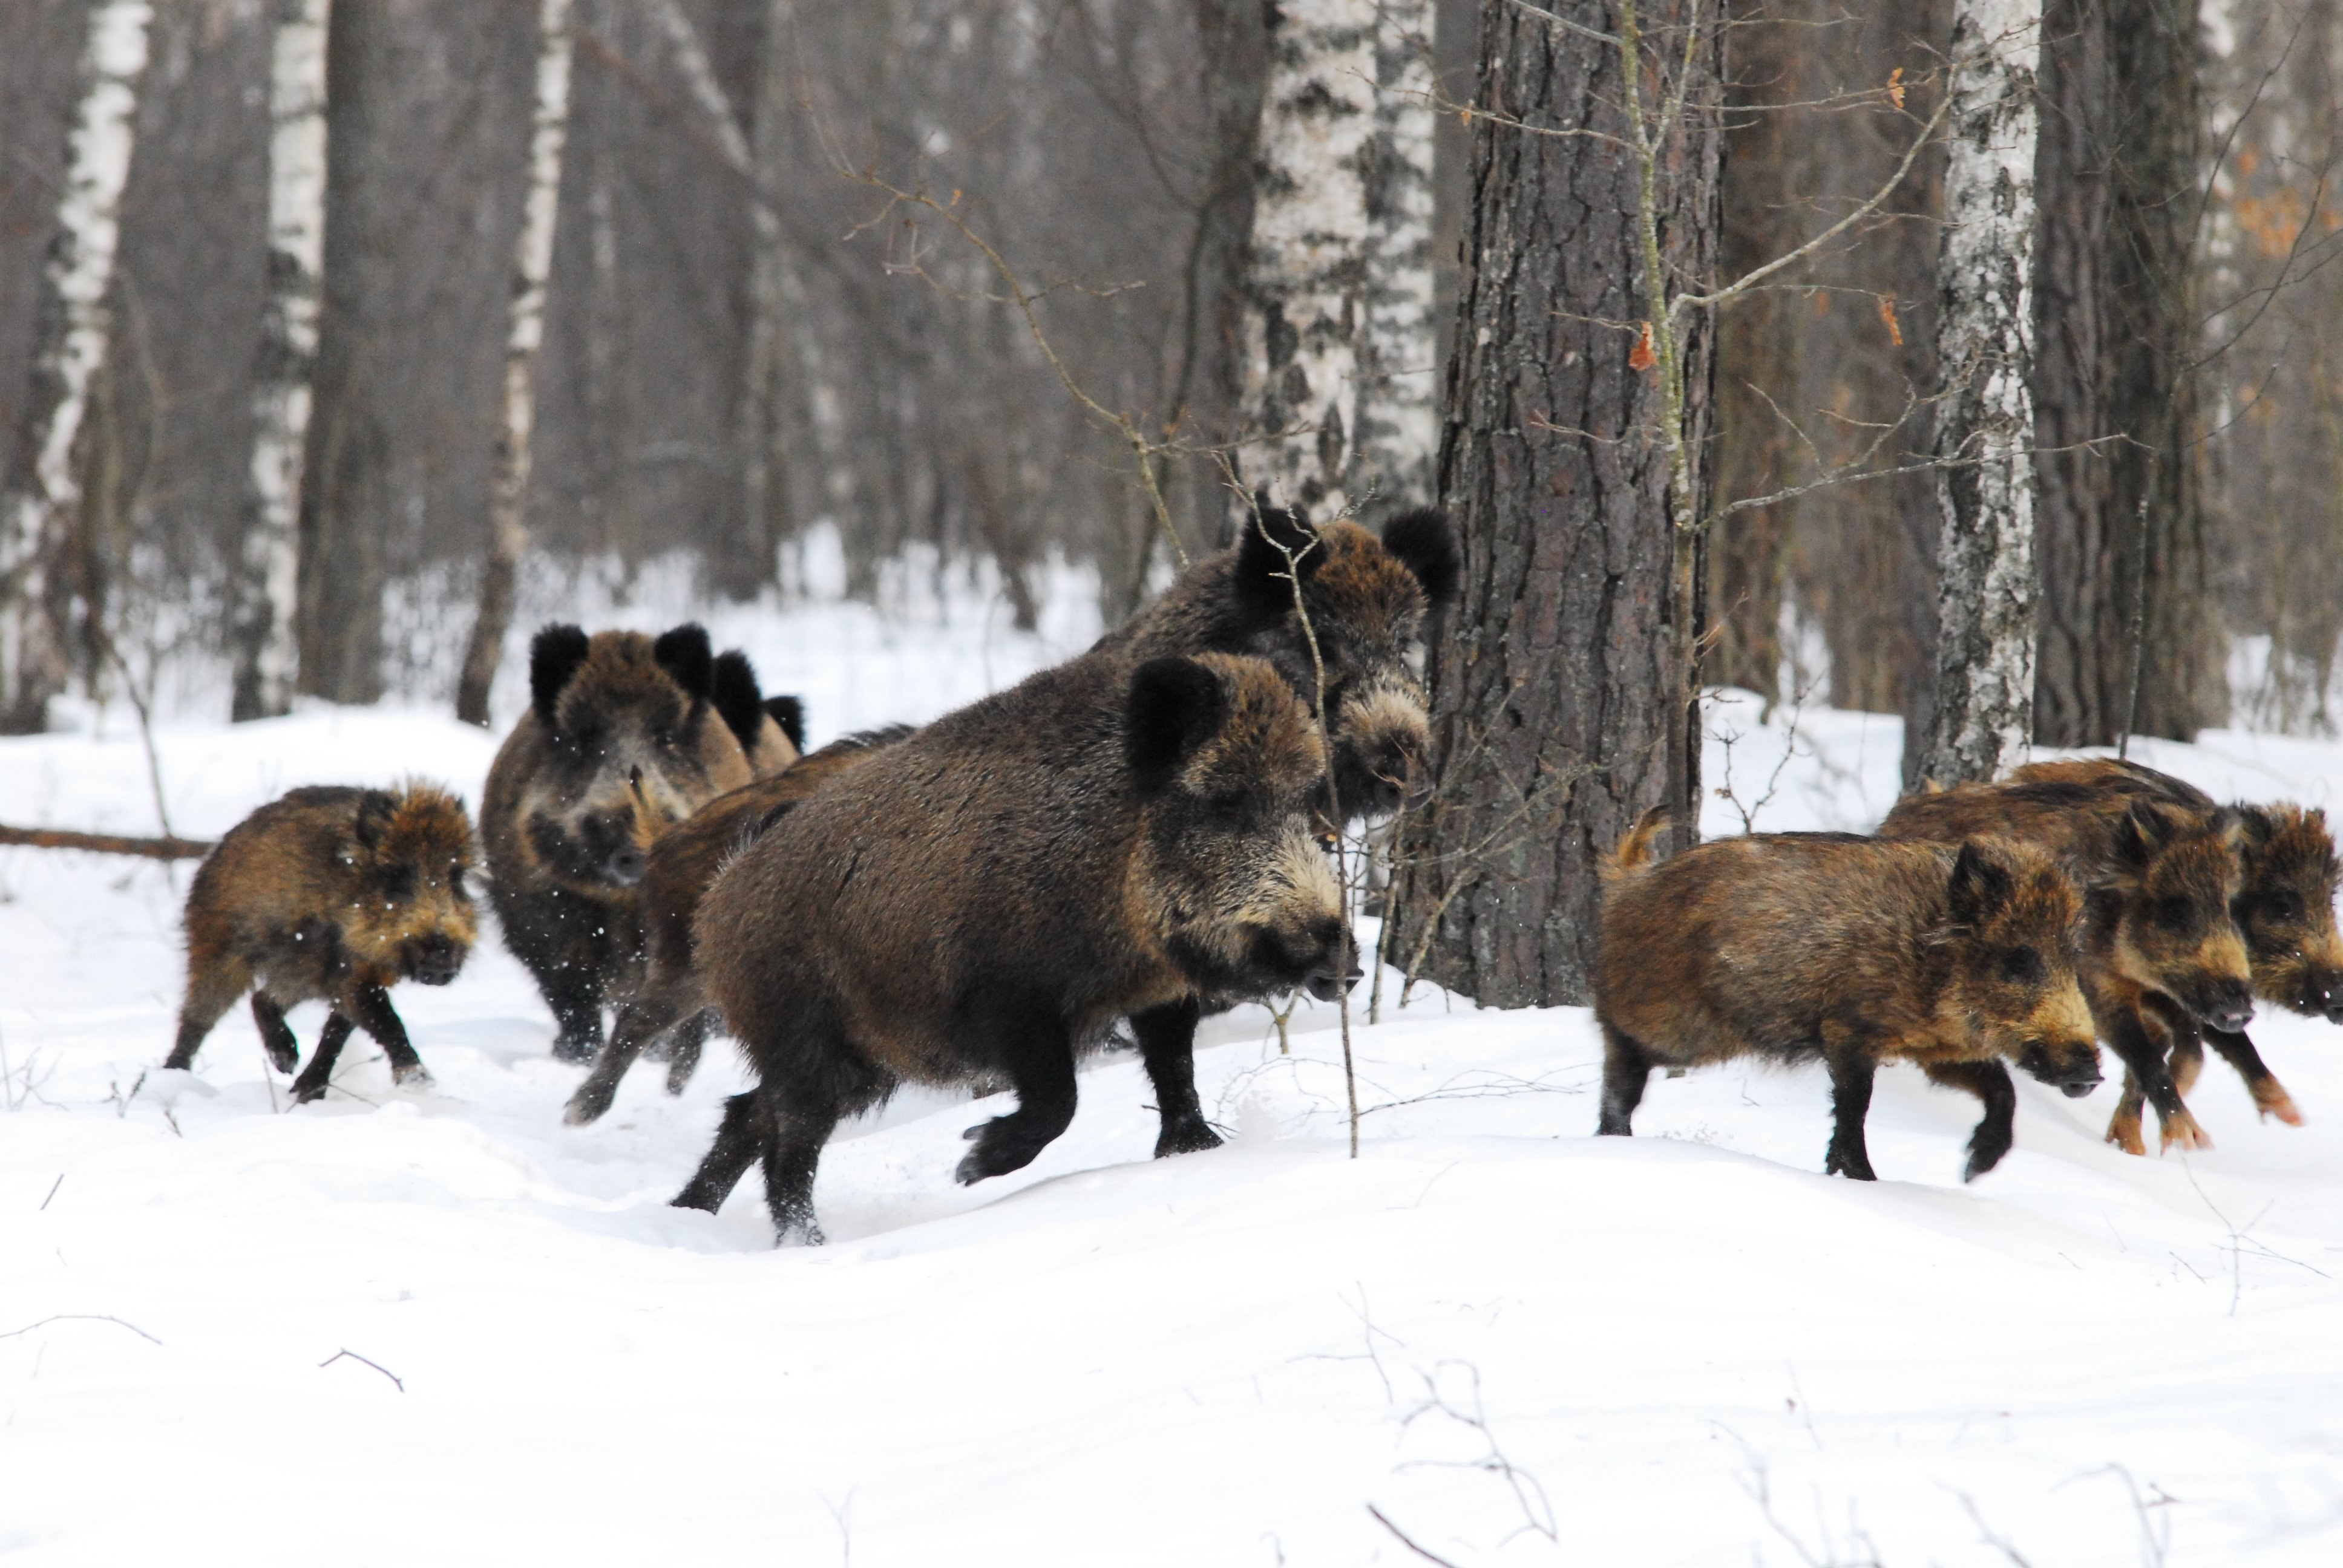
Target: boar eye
{"type": "Point", "coordinates": [2285, 905]}
{"type": "Point", "coordinates": [2022, 966]}
{"type": "Point", "coordinates": [400, 883]}
{"type": "Point", "coordinates": [2176, 914]}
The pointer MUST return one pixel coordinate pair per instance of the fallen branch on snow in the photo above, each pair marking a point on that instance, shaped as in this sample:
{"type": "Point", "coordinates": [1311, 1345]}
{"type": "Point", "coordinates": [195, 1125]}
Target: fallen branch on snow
{"type": "Point", "coordinates": [163, 848]}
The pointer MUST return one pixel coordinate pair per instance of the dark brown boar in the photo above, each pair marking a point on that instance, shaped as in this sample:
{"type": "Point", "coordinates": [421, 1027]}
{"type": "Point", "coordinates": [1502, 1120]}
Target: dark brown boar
{"type": "Point", "coordinates": [771, 730]}
{"type": "Point", "coordinates": [2160, 938]}
{"type": "Point", "coordinates": [329, 894]}
{"type": "Point", "coordinates": [1368, 602]}
{"type": "Point", "coordinates": [684, 858]}
{"type": "Point", "coordinates": [1798, 946]}
{"type": "Point", "coordinates": [1367, 599]}
{"type": "Point", "coordinates": [999, 887]}
{"type": "Point", "coordinates": [2285, 910]}
{"type": "Point", "coordinates": [618, 724]}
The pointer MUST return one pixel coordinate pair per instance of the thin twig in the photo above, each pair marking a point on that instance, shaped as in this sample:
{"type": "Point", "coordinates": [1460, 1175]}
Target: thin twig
{"type": "Point", "coordinates": [82, 1318]}
{"type": "Point", "coordinates": [1402, 1535]}
{"type": "Point", "coordinates": [396, 1382]}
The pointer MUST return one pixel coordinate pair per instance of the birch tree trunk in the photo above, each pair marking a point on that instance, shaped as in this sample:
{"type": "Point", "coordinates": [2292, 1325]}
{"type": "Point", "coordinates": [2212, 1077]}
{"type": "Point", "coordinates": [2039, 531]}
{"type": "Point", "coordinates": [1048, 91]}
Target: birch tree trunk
{"type": "Point", "coordinates": [267, 592]}
{"type": "Point", "coordinates": [532, 261]}
{"type": "Point", "coordinates": [1983, 716]}
{"type": "Point", "coordinates": [1307, 277]}
{"type": "Point", "coordinates": [1396, 432]}
{"type": "Point", "coordinates": [44, 490]}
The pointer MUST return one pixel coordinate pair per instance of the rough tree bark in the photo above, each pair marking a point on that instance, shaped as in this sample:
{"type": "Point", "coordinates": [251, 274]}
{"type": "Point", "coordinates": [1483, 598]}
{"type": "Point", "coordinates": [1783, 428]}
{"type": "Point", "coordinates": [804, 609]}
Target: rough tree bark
{"type": "Point", "coordinates": [267, 590]}
{"type": "Point", "coordinates": [43, 489]}
{"type": "Point", "coordinates": [2114, 316]}
{"type": "Point", "coordinates": [1305, 284]}
{"type": "Point", "coordinates": [532, 260]}
{"type": "Point", "coordinates": [1556, 687]}
{"type": "Point", "coordinates": [1983, 714]}
{"type": "Point", "coordinates": [1395, 431]}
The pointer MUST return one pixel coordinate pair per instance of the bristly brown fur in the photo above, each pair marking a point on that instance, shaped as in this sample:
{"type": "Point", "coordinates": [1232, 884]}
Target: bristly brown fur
{"type": "Point", "coordinates": [1799, 945]}
{"type": "Point", "coordinates": [1002, 885]}
{"type": "Point", "coordinates": [620, 723]}
{"type": "Point", "coordinates": [2162, 879]}
{"type": "Point", "coordinates": [2285, 910]}
{"type": "Point", "coordinates": [1634, 850]}
{"type": "Point", "coordinates": [684, 858]}
{"type": "Point", "coordinates": [329, 894]}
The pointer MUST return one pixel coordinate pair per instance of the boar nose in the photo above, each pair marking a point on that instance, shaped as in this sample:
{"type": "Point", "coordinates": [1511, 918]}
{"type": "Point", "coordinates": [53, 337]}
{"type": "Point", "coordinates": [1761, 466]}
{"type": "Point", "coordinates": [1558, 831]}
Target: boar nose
{"type": "Point", "coordinates": [626, 865]}
{"type": "Point", "coordinates": [2334, 1008]}
{"type": "Point", "coordinates": [1328, 983]}
{"type": "Point", "coordinates": [437, 962]}
{"type": "Point", "coordinates": [2229, 1007]}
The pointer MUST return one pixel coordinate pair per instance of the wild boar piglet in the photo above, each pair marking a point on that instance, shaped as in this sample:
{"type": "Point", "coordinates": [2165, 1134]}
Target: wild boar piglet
{"type": "Point", "coordinates": [1804, 946]}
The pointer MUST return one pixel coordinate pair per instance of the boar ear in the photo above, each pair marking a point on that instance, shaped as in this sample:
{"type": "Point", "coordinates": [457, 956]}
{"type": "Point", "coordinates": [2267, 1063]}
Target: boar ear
{"type": "Point", "coordinates": [788, 712]}
{"type": "Point", "coordinates": [374, 812]}
{"type": "Point", "coordinates": [553, 659]}
{"type": "Point", "coordinates": [1980, 884]}
{"type": "Point", "coordinates": [1425, 544]}
{"type": "Point", "coordinates": [1265, 572]}
{"type": "Point", "coordinates": [1174, 706]}
{"type": "Point", "coordinates": [685, 655]}
{"type": "Point", "coordinates": [732, 687]}
{"type": "Point", "coordinates": [2139, 833]}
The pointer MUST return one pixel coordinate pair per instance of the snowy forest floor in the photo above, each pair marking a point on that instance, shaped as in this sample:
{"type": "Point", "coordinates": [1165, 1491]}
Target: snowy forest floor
{"type": "Point", "coordinates": [439, 1326]}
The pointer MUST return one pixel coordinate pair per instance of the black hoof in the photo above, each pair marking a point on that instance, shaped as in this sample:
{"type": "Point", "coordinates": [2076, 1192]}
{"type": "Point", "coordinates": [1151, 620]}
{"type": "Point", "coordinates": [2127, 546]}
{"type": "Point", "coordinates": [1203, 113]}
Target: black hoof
{"type": "Point", "coordinates": [997, 1152]}
{"type": "Point", "coordinates": [1853, 1169]}
{"type": "Point", "coordinates": [306, 1090]}
{"type": "Point", "coordinates": [413, 1075]}
{"type": "Point", "coordinates": [578, 1052]}
{"type": "Point", "coordinates": [587, 1105]}
{"type": "Point", "coordinates": [1190, 1137]}
{"type": "Point", "coordinates": [283, 1060]}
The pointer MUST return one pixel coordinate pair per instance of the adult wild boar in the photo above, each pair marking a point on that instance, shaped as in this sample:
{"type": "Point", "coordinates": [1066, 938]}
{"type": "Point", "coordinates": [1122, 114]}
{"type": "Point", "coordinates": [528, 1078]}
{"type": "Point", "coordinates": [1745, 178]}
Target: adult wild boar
{"type": "Point", "coordinates": [619, 725]}
{"type": "Point", "coordinates": [1002, 885]}
{"type": "Point", "coordinates": [1799, 946]}
{"type": "Point", "coordinates": [330, 894]}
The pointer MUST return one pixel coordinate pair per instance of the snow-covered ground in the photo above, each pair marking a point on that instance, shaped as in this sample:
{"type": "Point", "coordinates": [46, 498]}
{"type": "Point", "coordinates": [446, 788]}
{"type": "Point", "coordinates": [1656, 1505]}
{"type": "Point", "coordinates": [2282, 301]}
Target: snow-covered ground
{"type": "Point", "coordinates": [441, 1327]}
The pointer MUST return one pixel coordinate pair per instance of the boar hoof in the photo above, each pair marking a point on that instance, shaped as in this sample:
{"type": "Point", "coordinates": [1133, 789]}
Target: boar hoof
{"type": "Point", "coordinates": [305, 1089]}
{"type": "Point", "coordinates": [1984, 1155]}
{"type": "Point", "coordinates": [1854, 1167]}
{"type": "Point", "coordinates": [2272, 1100]}
{"type": "Point", "coordinates": [2123, 1132]}
{"type": "Point", "coordinates": [576, 1050]}
{"type": "Point", "coordinates": [1189, 1137]}
{"type": "Point", "coordinates": [800, 1229]}
{"type": "Point", "coordinates": [283, 1057]}
{"type": "Point", "coordinates": [999, 1151]}
{"type": "Point", "coordinates": [587, 1105]}
{"type": "Point", "coordinates": [411, 1075]}
{"type": "Point", "coordinates": [2181, 1128]}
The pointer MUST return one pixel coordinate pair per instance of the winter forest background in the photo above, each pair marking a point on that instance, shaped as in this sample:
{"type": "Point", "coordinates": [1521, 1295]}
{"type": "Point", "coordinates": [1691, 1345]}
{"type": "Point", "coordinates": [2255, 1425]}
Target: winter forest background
{"type": "Point", "coordinates": [1018, 282]}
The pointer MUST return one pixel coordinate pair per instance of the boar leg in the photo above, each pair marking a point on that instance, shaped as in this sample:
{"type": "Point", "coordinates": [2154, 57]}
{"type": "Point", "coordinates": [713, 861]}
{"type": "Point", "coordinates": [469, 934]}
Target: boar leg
{"type": "Point", "coordinates": [2128, 1036]}
{"type": "Point", "coordinates": [1167, 1048]}
{"type": "Point", "coordinates": [1626, 1069]}
{"type": "Point", "coordinates": [1031, 1044]}
{"type": "Point", "coordinates": [1852, 1065]}
{"type": "Point", "coordinates": [649, 1013]}
{"type": "Point", "coordinates": [2124, 1126]}
{"type": "Point", "coordinates": [1989, 1081]}
{"type": "Point", "coordinates": [796, 1123]}
{"type": "Point", "coordinates": [212, 989]}
{"type": "Point", "coordinates": [684, 1047]}
{"type": "Point", "coordinates": [371, 1008]}
{"type": "Point", "coordinates": [576, 1002]}
{"type": "Point", "coordinates": [739, 1139]}
{"type": "Point", "coordinates": [2270, 1096]}
{"type": "Point", "coordinates": [311, 1084]}
{"type": "Point", "coordinates": [276, 1034]}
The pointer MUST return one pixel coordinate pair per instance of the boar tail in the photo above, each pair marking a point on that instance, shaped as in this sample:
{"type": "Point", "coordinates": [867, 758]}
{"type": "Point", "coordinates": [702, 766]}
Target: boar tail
{"type": "Point", "coordinates": [1634, 850]}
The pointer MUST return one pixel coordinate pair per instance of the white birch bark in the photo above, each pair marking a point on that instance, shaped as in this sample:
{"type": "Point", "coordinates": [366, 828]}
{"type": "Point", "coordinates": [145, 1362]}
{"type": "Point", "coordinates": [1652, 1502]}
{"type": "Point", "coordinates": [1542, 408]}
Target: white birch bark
{"type": "Point", "coordinates": [76, 331]}
{"type": "Point", "coordinates": [1984, 714]}
{"type": "Point", "coordinates": [524, 334]}
{"type": "Point", "coordinates": [1307, 273]}
{"type": "Point", "coordinates": [288, 356]}
{"type": "Point", "coordinates": [1395, 433]}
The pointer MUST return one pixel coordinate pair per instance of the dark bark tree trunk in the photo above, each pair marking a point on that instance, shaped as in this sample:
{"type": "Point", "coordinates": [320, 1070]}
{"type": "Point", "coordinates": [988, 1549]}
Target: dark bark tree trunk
{"type": "Point", "coordinates": [342, 569]}
{"type": "Point", "coordinates": [1556, 703]}
{"type": "Point", "coordinates": [2113, 322]}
